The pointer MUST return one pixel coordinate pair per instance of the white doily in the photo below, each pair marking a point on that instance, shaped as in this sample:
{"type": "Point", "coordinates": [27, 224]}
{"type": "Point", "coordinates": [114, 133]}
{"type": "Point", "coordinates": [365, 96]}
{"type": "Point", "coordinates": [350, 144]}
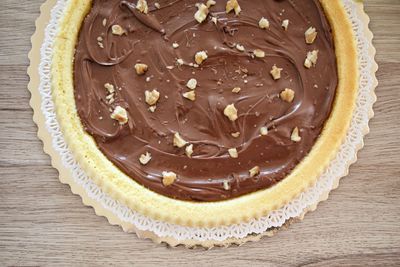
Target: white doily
{"type": "Point", "coordinates": [337, 168]}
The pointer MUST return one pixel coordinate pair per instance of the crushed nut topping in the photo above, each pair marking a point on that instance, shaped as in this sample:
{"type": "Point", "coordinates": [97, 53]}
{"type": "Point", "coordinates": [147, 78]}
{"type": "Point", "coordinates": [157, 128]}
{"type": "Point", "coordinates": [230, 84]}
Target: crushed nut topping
{"type": "Point", "coordinates": [157, 5]}
{"type": "Point", "coordinates": [179, 62]}
{"type": "Point", "coordinates": [108, 97]}
{"type": "Point", "coordinates": [145, 158]}
{"type": "Point", "coordinates": [191, 95]}
{"type": "Point", "coordinates": [236, 90]}
{"type": "Point", "coordinates": [263, 23]}
{"type": "Point", "coordinates": [264, 130]}
{"type": "Point", "coordinates": [240, 47]}
{"type": "Point", "coordinates": [104, 22]}
{"type": "Point", "coordinates": [200, 57]}
{"type": "Point", "coordinates": [311, 59]}
{"type": "Point", "coordinates": [189, 150]}
{"type": "Point", "coordinates": [276, 72]}
{"type": "Point", "coordinates": [226, 185]}
{"type": "Point", "coordinates": [100, 44]}
{"type": "Point", "coordinates": [201, 13]}
{"type": "Point", "coordinates": [233, 5]}
{"type": "Point", "coordinates": [142, 6]}
{"type": "Point", "coordinates": [214, 20]}
{"type": "Point", "coordinates": [259, 53]}
{"type": "Point", "coordinates": [120, 115]}
{"type": "Point", "coordinates": [236, 134]}
{"type": "Point", "coordinates": [233, 153]}
{"type": "Point", "coordinates": [210, 3]}
{"type": "Point", "coordinates": [109, 87]}
{"type": "Point", "coordinates": [191, 84]}
{"type": "Point", "coordinates": [285, 24]}
{"type": "Point", "coordinates": [141, 68]}
{"type": "Point", "coordinates": [168, 178]}
{"type": "Point", "coordinates": [254, 171]}
{"type": "Point", "coordinates": [175, 45]}
{"type": "Point", "coordinates": [295, 137]}
{"type": "Point", "coordinates": [287, 95]}
{"type": "Point", "coordinates": [152, 108]}
{"type": "Point", "coordinates": [179, 141]}
{"type": "Point", "coordinates": [117, 30]}
{"type": "Point", "coordinates": [310, 35]}
{"type": "Point", "coordinates": [151, 97]}
{"type": "Point", "coordinates": [231, 112]}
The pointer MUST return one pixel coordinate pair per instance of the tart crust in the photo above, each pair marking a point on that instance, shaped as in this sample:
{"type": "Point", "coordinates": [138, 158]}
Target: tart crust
{"type": "Point", "coordinates": [202, 214]}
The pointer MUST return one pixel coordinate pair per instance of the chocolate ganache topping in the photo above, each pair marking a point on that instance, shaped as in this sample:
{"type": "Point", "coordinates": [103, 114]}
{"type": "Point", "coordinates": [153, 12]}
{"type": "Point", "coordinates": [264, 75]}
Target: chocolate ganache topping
{"type": "Point", "coordinates": [198, 103]}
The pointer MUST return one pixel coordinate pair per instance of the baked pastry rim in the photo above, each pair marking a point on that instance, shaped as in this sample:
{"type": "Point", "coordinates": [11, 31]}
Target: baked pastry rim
{"type": "Point", "coordinates": [254, 205]}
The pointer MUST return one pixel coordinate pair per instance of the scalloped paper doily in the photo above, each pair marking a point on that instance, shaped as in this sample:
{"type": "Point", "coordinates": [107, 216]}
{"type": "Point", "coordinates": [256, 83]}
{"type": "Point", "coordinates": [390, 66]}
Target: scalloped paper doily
{"type": "Point", "coordinates": [158, 231]}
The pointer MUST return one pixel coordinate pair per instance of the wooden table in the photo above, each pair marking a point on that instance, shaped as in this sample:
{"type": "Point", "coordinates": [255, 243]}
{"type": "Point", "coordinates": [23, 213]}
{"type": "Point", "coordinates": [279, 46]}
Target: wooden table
{"type": "Point", "coordinates": [43, 223]}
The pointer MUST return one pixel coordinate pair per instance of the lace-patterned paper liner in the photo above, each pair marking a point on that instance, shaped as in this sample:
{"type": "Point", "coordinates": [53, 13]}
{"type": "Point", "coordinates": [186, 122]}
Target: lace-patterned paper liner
{"type": "Point", "coordinates": [176, 234]}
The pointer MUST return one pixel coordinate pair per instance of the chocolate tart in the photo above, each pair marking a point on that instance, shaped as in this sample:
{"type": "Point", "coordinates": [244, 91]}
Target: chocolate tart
{"type": "Point", "coordinates": [204, 114]}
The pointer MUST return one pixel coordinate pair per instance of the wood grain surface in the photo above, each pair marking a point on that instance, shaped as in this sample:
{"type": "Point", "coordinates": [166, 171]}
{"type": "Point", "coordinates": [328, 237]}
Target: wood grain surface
{"type": "Point", "coordinates": [43, 224]}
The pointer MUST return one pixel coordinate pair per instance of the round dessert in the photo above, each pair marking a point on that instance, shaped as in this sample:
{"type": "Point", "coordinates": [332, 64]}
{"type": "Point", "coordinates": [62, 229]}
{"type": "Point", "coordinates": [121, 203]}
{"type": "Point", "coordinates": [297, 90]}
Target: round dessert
{"type": "Point", "coordinates": [232, 61]}
{"type": "Point", "coordinates": [184, 110]}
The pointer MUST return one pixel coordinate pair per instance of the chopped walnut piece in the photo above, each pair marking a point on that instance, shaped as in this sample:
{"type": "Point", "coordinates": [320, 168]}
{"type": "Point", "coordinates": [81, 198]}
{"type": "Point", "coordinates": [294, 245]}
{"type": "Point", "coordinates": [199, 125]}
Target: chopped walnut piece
{"type": "Point", "coordinates": [264, 130]}
{"type": "Point", "coordinates": [287, 95]}
{"type": "Point", "coordinates": [157, 5]}
{"type": "Point", "coordinates": [120, 115]}
{"type": "Point", "coordinates": [142, 6]}
{"type": "Point", "coordinates": [152, 108]}
{"type": "Point", "coordinates": [210, 3]}
{"type": "Point", "coordinates": [117, 30]}
{"type": "Point", "coordinates": [263, 23]}
{"type": "Point", "coordinates": [285, 24]}
{"type": "Point", "coordinates": [179, 62]}
{"type": "Point", "coordinates": [151, 97]}
{"type": "Point", "coordinates": [233, 5]}
{"type": "Point", "coordinates": [201, 13]}
{"type": "Point", "coordinates": [191, 84]}
{"type": "Point", "coordinates": [168, 178]}
{"type": "Point", "coordinates": [226, 185]}
{"type": "Point", "coordinates": [110, 99]}
{"type": "Point", "coordinates": [254, 171]}
{"type": "Point", "coordinates": [191, 95]}
{"type": "Point", "coordinates": [179, 141]}
{"type": "Point", "coordinates": [310, 35]}
{"type": "Point", "coordinates": [200, 57]}
{"type": "Point", "coordinates": [145, 158]}
{"type": "Point", "coordinates": [189, 150]}
{"type": "Point", "coordinates": [141, 68]}
{"type": "Point", "coordinates": [236, 90]}
{"type": "Point", "coordinates": [100, 44]}
{"type": "Point", "coordinates": [276, 72]}
{"type": "Point", "coordinates": [295, 137]}
{"type": "Point", "coordinates": [233, 153]}
{"type": "Point", "coordinates": [236, 134]}
{"type": "Point", "coordinates": [259, 53]}
{"type": "Point", "coordinates": [214, 20]}
{"type": "Point", "coordinates": [175, 45]}
{"type": "Point", "coordinates": [109, 87]}
{"type": "Point", "coordinates": [104, 22]}
{"type": "Point", "coordinates": [239, 47]}
{"type": "Point", "coordinates": [311, 59]}
{"type": "Point", "coordinates": [231, 112]}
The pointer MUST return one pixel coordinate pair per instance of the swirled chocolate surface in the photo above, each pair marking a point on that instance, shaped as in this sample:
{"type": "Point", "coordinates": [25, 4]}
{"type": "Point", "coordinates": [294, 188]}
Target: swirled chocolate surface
{"type": "Point", "coordinates": [210, 174]}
